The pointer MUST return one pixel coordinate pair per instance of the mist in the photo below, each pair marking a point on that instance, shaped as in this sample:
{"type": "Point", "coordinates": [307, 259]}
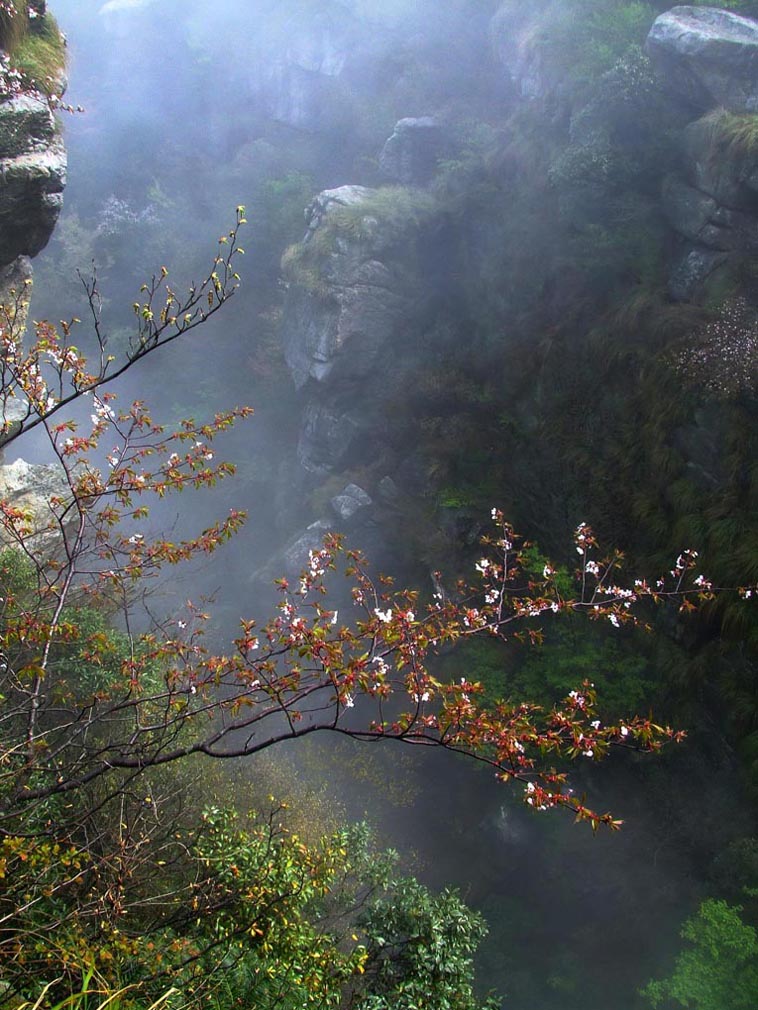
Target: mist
{"type": "Point", "coordinates": [499, 336]}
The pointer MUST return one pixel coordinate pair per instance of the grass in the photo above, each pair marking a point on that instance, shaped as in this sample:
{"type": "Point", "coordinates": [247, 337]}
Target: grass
{"type": "Point", "coordinates": [730, 135]}
{"type": "Point", "coordinates": [35, 47]}
{"type": "Point", "coordinates": [13, 27]}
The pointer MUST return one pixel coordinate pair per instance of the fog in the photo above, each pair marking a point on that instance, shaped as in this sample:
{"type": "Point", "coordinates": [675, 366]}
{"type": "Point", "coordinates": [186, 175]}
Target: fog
{"type": "Point", "coordinates": [191, 109]}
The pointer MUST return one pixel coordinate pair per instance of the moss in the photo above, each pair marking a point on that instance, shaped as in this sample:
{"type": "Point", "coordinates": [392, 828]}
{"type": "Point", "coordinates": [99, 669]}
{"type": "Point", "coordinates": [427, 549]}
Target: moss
{"type": "Point", "coordinates": [376, 221]}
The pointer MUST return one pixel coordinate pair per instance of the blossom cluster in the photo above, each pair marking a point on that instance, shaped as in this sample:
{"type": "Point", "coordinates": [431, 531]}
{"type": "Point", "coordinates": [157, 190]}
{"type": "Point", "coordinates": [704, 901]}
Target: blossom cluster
{"type": "Point", "coordinates": [722, 357]}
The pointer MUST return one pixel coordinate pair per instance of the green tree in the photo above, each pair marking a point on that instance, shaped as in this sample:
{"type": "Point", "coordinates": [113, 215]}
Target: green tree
{"type": "Point", "coordinates": [719, 968]}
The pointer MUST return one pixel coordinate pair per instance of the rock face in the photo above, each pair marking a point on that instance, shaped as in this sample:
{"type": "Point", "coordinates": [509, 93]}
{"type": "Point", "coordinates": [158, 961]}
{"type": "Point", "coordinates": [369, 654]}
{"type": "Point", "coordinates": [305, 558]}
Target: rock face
{"type": "Point", "coordinates": [514, 31]}
{"type": "Point", "coordinates": [412, 153]}
{"type": "Point", "coordinates": [708, 56]}
{"type": "Point", "coordinates": [32, 179]}
{"type": "Point", "coordinates": [350, 504]}
{"type": "Point", "coordinates": [32, 176]}
{"type": "Point", "coordinates": [307, 69]}
{"type": "Point", "coordinates": [29, 487]}
{"type": "Point", "coordinates": [709, 59]}
{"type": "Point", "coordinates": [350, 291]}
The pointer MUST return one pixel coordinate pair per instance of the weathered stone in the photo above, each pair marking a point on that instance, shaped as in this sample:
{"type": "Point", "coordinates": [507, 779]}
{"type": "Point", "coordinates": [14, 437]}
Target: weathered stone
{"type": "Point", "coordinates": [294, 557]}
{"type": "Point", "coordinates": [692, 269]}
{"type": "Point", "coordinates": [515, 33]}
{"type": "Point", "coordinates": [388, 490]}
{"type": "Point", "coordinates": [729, 178]}
{"type": "Point", "coordinates": [687, 209]}
{"type": "Point", "coordinates": [336, 333]}
{"type": "Point", "coordinates": [26, 124]}
{"type": "Point", "coordinates": [31, 196]}
{"type": "Point", "coordinates": [351, 502]}
{"type": "Point", "coordinates": [411, 155]}
{"type": "Point", "coordinates": [30, 488]}
{"type": "Point", "coordinates": [15, 292]}
{"type": "Point", "coordinates": [695, 216]}
{"type": "Point", "coordinates": [708, 56]}
{"type": "Point", "coordinates": [326, 438]}
{"type": "Point", "coordinates": [699, 218]}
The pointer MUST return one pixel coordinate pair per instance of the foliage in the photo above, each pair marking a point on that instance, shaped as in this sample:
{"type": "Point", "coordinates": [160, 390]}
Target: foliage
{"type": "Point", "coordinates": [34, 50]}
{"type": "Point", "coordinates": [719, 969]}
{"type": "Point", "coordinates": [40, 55]}
{"type": "Point", "coordinates": [418, 951]}
{"type": "Point", "coordinates": [586, 37]}
{"type": "Point", "coordinates": [14, 23]}
{"type": "Point", "coordinates": [729, 135]}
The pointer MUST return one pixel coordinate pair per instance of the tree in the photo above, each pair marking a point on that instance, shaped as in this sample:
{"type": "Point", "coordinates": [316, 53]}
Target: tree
{"type": "Point", "coordinates": [93, 719]}
{"type": "Point", "coordinates": [719, 968]}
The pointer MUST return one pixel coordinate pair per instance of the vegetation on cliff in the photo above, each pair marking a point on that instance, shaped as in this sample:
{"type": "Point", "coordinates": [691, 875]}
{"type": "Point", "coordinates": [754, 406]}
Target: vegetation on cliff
{"type": "Point", "coordinates": [34, 47]}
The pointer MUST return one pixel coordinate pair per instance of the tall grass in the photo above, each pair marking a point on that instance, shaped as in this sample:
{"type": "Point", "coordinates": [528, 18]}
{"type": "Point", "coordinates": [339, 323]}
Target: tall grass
{"type": "Point", "coordinates": [34, 45]}
{"type": "Point", "coordinates": [14, 23]}
{"type": "Point", "coordinates": [94, 996]}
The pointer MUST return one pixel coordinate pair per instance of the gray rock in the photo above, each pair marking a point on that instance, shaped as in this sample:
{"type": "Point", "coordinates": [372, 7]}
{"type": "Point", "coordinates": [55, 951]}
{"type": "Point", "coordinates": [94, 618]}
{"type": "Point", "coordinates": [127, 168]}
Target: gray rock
{"type": "Point", "coordinates": [707, 56]}
{"type": "Point", "coordinates": [295, 555]}
{"type": "Point", "coordinates": [335, 334]}
{"type": "Point", "coordinates": [26, 124]}
{"type": "Point", "coordinates": [30, 487]}
{"type": "Point", "coordinates": [514, 34]}
{"type": "Point", "coordinates": [689, 210]}
{"type": "Point", "coordinates": [327, 437]}
{"type": "Point", "coordinates": [411, 155]}
{"type": "Point", "coordinates": [350, 503]}
{"type": "Point", "coordinates": [693, 268]}
{"type": "Point", "coordinates": [388, 490]}
{"type": "Point", "coordinates": [293, 558]}
{"type": "Point", "coordinates": [31, 196]}
{"type": "Point", "coordinates": [330, 200]}
{"type": "Point", "coordinates": [726, 179]}
{"type": "Point", "coordinates": [698, 217]}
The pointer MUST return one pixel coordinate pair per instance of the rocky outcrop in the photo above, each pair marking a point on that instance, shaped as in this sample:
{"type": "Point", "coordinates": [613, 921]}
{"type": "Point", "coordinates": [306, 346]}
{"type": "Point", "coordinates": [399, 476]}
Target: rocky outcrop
{"type": "Point", "coordinates": [351, 289]}
{"type": "Point", "coordinates": [708, 56]}
{"type": "Point", "coordinates": [412, 154]}
{"type": "Point", "coordinates": [514, 35]}
{"type": "Point", "coordinates": [30, 488]}
{"type": "Point", "coordinates": [32, 176]}
{"type": "Point", "coordinates": [307, 69]}
{"type": "Point", "coordinates": [350, 504]}
{"type": "Point", "coordinates": [709, 59]}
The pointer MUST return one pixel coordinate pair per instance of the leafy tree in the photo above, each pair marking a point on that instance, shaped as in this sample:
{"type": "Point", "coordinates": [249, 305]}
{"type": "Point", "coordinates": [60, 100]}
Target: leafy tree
{"type": "Point", "coordinates": [719, 968]}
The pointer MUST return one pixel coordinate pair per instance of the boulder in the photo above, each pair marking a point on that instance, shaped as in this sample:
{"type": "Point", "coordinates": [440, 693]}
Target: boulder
{"type": "Point", "coordinates": [709, 57]}
{"type": "Point", "coordinates": [327, 437]}
{"type": "Point", "coordinates": [31, 196]}
{"type": "Point", "coordinates": [293, 558]}
{"type": "Point", "coordinates": [30, 488]}
{"type": "Point", "coordinates": [515, 34]}
{"type": "Point", "coordinates": [26, 124]}
{"type": "Point", "coordinates": [411, 155]}
{"type": "Point", "coordinates": [346, 297]}
{"type": "Point", "coordinates": [727, 172]}
{"type": "Point", "coordinates": [695, 215]}
{"type": "Point", "coordinates": [351, 503]}
{"type": "Point", "coordinates": [692, 269]}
